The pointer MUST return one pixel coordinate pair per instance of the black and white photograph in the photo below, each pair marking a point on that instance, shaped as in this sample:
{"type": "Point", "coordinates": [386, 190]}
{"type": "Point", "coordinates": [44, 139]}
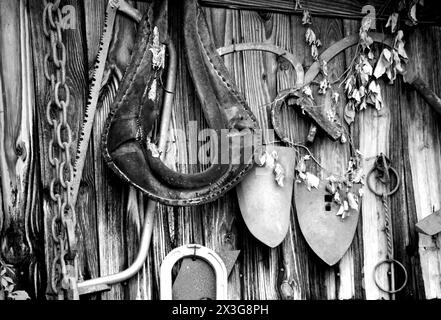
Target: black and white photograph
{"type": "Point", "coordinates": [247, 152]}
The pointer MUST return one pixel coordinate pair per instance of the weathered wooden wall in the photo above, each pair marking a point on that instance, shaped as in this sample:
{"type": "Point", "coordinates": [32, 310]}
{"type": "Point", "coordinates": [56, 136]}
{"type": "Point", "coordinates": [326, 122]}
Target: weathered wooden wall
{"type": "Point", "coordinates": [111, 213]}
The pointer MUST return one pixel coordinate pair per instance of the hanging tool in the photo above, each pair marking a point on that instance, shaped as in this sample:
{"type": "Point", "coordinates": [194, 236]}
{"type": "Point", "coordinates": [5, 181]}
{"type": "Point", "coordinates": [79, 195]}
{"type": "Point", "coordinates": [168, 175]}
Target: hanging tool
{"type": "Point", "coordinates": [125, 146]}
{"type": "Point", "coordinates": [289, 96]}
{"type": "Point", "coordinates": [430, 225]}
{"type": "Point", "coordinates": [84, 137]}
{"type": "Point", "coordinates": [295, 97]}
{"type": "Point", "coordinates": [382, 172]}
{"type": "Point", "coordinates": [266, 206]}
{"type": "Point", "coordinates": [102, 283]}
{"type": "Point", "coordinates": [326, 233]}
{"type": "Point", "coordinates": [193, 250]}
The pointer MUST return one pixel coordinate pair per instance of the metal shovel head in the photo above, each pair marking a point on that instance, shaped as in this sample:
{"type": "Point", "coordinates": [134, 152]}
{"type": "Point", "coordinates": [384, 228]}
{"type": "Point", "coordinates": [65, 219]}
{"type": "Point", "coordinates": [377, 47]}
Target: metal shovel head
{"type": "Point", "coordinates": [430, 225]}
{"type": "Point", "coordinates": [265, 205]}
{"type": "Point", "coordinates": [328, 235]}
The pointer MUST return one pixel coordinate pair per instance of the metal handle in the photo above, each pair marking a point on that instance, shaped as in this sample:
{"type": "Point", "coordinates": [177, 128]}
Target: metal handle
{"type": "Point", "coordinates": [98, 284]}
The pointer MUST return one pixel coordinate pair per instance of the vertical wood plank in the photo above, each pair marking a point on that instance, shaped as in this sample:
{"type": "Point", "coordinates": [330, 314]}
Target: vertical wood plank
{"type": "Point", "coordinates": [374, 131]}
{"type": "Point", "coordinates": [334, 156]}
{"type": "Point", "coordinates": [224, 216]}
{"type": "Point", "coordinates": [424, 151]}
{"type": "Point", "coordinates": [110, 193]}
{"type": "Point", "coordinates": [76, 80]}
{"type": "Point", "coordinates": [18, 163]}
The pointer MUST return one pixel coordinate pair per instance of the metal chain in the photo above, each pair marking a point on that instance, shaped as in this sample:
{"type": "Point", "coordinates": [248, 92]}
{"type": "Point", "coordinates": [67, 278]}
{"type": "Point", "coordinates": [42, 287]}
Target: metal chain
{"type": "Point", "coordinates": [383, 168]}
{"type": "Point", "coordinates": [388, 228]}
{"type": "Point", "coordinates": [64, 267]}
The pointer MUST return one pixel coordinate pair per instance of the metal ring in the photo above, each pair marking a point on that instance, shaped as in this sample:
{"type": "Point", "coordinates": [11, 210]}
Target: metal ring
{"type": "Point", "coordinates": [51, 18]}
{"type": "Point", "coordinates": [371, 188]}
{"type": "Point", "coordinates": [45, 66]}
{"type": "Point", "coordinates": [57, 95]}
{"type": "Point", "coordinates": [390, 261]}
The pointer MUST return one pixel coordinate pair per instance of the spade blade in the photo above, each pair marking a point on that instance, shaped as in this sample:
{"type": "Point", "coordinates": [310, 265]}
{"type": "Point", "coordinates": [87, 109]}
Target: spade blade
{"type": "Point", "coordinates": [265, 205]}
{"type": "Point", "coordinates": [328, 235]}
{"type": "Point", "coordinates": [430, 225]}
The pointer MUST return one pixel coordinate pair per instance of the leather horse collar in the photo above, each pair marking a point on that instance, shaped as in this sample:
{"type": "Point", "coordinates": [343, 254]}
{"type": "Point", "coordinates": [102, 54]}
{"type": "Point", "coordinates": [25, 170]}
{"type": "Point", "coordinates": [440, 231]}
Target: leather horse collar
{"type": "Point", "coordinates": [135, 111]}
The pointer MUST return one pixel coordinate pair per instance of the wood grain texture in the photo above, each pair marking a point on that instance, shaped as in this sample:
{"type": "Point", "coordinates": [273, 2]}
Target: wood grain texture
{"type": "Point", "coordinates": [111, 214]}
{"type": "Point", "coordinates": [350, 9]}
{"type": "Point", "coordinates": [423, 149]}
{"type": "Point", "coordinates": [20, 215]}
{"type": "Point", "coordinates": [76, 80]}
{"type": "Point", "coordinates": [110, 195]}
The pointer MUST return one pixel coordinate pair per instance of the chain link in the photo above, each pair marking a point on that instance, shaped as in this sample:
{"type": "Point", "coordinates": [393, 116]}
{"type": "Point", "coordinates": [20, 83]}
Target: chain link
{"type": "Point", "coordinates": [64, 268]}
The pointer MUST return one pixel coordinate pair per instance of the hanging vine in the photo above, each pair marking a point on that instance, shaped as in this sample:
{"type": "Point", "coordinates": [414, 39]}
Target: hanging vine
{"type": "Point", "coordinates": [361, 87]}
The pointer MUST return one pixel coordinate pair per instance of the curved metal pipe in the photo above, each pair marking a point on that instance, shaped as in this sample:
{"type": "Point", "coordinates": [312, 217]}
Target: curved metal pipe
{"type": "Point", "coordinates": [144, 245]}
{"type": "Point", "coordinates": [168, 97]}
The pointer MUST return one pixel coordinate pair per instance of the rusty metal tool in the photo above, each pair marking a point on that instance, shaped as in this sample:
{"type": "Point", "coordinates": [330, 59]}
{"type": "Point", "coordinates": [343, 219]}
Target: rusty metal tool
{"type": "Point", "coordinates": [430, 225]}
{"type": "Point", "coordinates": [193, 250]}
{"type": "Point", "coordinates": [264, 205]}
{"type": "Point", "coordinates": [295, 97]}
{"type": "Point", "coordinates": [84, 137]}
{"type": "Point", "coordinates": [327, 234]}
{"type": "Point", "coordinates": [102, 283]}
{"type": "Point", "coordinates": [313, 112]}
{"type": "Point", "coordinates": [378, 171]}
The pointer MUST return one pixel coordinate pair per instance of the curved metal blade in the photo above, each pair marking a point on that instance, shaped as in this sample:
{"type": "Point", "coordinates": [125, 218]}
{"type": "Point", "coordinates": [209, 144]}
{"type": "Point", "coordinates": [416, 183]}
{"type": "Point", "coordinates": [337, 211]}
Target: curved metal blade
{"type": "Point", "coordinates": [94, 91]}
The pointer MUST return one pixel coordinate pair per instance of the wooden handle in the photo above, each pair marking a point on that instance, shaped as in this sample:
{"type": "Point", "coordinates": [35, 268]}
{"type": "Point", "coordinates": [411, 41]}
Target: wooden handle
{"type": "Point", "coordinates": [431, 97]}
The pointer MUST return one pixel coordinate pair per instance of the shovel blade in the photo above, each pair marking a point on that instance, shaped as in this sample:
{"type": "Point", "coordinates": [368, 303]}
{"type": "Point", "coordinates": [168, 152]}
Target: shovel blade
{"type": "Point", "coordinates": [430, 225]}
{"type": "Point", "coordinates": [328, 235]}
{"type": "Point", "coordinates": [264, 204]}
